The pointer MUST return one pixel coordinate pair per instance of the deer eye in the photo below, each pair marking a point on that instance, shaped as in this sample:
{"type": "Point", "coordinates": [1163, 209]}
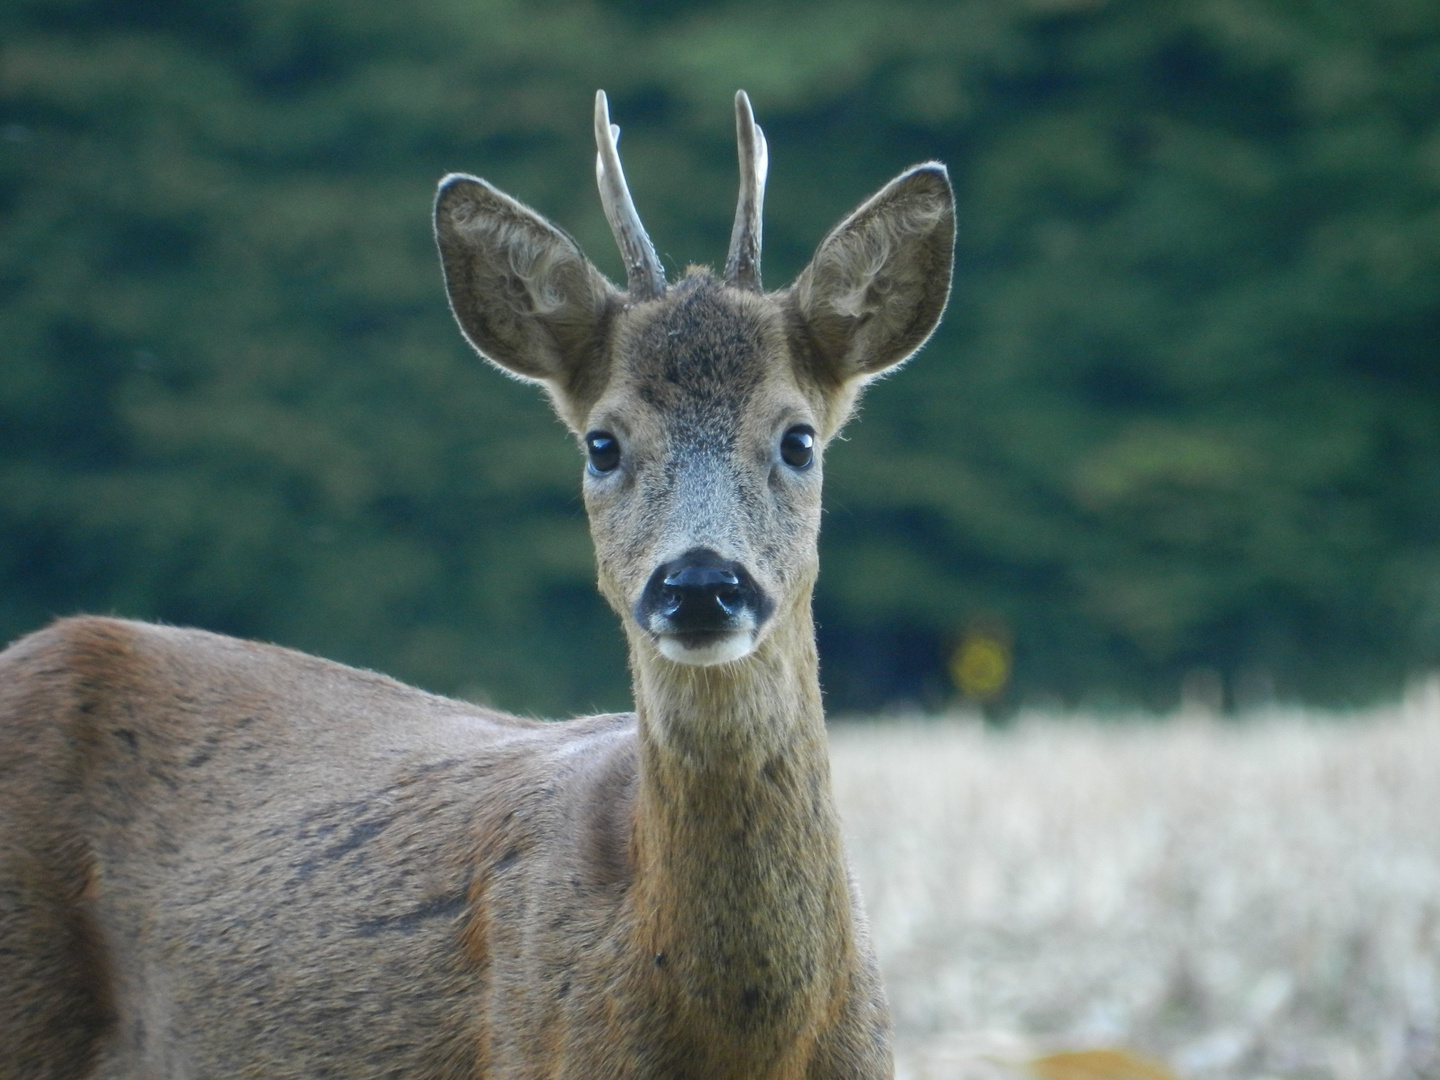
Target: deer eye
{"type": "Point", "coordinates": [797, 447]}
{"type": "Point", "coordinates": [604, 451]}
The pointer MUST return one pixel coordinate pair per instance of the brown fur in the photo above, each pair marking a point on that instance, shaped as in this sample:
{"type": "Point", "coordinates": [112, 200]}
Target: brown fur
{"type": "Point", "coordinates": [221, 858]}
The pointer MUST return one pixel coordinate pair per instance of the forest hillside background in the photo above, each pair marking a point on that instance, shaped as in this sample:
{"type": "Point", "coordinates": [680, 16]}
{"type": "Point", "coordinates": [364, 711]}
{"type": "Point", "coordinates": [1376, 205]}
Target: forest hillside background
{"type": "Point", "coordinates": [1179, 434]}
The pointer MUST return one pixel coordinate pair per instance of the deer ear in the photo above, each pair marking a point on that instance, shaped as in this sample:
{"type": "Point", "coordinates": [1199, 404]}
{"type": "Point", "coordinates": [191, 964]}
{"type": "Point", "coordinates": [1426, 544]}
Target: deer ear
{"type": "Point", "coordinates": [523, 294]}
{"type": "Point", "coordinates": [878, 283]}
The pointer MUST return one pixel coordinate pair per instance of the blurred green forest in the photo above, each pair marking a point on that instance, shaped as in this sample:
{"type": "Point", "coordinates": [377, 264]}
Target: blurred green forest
{"type": "Point", "coordinates": [1183, 416]}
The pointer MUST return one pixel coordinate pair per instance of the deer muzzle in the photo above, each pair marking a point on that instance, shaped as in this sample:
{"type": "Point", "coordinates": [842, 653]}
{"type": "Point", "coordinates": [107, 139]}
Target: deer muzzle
{"type": "Point", "coordinates": [702, 609]}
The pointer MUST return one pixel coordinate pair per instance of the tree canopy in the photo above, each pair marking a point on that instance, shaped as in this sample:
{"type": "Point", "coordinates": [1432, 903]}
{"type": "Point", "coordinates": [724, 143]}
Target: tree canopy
{"type": "Point", "coordinates": [1183, 415]}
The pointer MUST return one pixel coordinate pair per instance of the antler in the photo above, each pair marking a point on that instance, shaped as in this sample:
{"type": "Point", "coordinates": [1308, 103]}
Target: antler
{"type": "Point", "coordinates": [742, 266]}
{"type": "Point", "coordinates": [645, 276]}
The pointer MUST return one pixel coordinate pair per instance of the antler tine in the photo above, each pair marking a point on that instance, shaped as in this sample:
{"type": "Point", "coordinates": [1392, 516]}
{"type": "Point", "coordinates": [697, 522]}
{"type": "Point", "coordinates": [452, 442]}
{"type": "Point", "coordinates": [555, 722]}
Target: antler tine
{"type": "Point", "coordinates": [742, 266]}
{"type": "Point", "coordinates": [644, 274]}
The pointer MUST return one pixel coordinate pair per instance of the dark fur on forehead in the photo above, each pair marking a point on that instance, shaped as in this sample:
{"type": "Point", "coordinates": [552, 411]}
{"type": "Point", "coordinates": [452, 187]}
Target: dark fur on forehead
{"type": "Point", "coordinates": [703, 348]}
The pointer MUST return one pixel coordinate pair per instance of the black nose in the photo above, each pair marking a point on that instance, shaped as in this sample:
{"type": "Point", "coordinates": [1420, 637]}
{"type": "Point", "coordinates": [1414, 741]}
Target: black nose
{"type": "Point", "coordinates": [699, 594]}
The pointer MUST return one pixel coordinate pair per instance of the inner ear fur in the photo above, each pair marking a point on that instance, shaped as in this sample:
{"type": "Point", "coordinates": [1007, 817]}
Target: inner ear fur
{"type": "Point", "coordinates": [523, 293]}
{"type": "Point", "coordinates": [878, 283]}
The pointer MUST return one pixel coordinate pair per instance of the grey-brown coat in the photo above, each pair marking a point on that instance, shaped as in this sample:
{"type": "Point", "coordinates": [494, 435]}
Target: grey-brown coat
{"type": "Point", "coordinates": [225, 858]}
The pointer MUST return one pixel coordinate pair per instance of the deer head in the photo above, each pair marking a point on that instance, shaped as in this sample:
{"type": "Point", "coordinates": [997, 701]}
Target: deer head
{"type": "Point", "coordinates": [704, 407]}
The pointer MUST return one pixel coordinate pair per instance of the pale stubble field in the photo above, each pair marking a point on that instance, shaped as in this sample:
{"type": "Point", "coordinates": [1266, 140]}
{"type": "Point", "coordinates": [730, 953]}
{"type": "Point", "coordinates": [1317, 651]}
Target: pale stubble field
{"type": "Point", "coordinates": [1233, 899]}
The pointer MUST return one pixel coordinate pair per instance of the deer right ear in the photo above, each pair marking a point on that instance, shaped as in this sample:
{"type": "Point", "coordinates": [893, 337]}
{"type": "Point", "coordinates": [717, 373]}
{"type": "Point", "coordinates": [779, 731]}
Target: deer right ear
{"type": "Point", "coordinates": [879, 282]}
{"type": "Point", "coordinates": [524, 295]}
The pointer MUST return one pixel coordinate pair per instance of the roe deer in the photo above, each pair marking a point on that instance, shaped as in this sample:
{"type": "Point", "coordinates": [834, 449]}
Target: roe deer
{"type": "Point", "coordinates": [221, 858]}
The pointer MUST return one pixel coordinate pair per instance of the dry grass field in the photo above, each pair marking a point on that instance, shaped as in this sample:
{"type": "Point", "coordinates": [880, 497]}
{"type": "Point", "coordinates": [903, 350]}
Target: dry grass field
{"type": "Point", "coordinates": [1256, 899]}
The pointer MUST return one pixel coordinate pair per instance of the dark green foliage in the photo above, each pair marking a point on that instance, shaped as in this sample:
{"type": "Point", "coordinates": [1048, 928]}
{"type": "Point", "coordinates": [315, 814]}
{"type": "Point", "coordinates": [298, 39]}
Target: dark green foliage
{"type": "Point", "coordinates": [1185, 411]}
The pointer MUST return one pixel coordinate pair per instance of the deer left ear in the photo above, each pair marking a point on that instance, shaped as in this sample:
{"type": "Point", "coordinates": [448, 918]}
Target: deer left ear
{"type": "Point", "coordinates": [878, 283]}
{"type": "Point", "coordinates": [524, 295]}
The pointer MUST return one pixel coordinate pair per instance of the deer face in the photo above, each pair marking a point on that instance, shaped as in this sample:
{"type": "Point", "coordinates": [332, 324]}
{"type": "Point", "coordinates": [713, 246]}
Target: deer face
{"type": "Point", "coordinates": [703, 408]}
{"type": "Point", "coordinates": [703, 479]}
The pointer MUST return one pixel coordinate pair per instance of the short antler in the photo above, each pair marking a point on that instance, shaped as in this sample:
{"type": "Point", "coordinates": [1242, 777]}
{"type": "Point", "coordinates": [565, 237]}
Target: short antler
{"type": "Point", "coordinates": [644, 274]}
{"type": "Point", "coordinates": [742, 266]}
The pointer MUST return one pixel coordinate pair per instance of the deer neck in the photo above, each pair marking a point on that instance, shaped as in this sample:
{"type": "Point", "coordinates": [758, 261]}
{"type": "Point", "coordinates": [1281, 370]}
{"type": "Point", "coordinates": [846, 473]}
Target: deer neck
{"type": "Point", "coordinates": [740, 877]}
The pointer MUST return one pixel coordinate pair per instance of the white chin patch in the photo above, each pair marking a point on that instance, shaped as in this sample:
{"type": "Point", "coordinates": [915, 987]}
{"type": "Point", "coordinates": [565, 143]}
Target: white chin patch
{"type": "Point", "coordinates": [719, 650]}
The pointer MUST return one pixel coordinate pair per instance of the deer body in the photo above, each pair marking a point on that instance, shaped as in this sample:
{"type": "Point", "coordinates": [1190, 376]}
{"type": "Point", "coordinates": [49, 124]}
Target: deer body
{"type": "Point", "coordinates": [224, 858]}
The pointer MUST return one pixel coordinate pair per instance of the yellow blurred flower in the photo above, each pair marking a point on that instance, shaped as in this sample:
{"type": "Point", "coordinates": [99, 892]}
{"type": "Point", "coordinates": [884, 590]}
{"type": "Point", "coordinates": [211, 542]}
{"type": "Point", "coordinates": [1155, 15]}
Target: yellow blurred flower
{"type": "Point", "coordinates": [980, 665]}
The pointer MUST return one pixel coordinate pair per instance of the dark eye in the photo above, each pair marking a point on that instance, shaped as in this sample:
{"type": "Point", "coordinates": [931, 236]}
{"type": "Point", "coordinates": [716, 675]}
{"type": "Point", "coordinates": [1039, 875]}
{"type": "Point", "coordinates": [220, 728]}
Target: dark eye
{"type": "Point", "coordinates": [797, 447]}
{"type": "Point", "coordinates": [604, 451]}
